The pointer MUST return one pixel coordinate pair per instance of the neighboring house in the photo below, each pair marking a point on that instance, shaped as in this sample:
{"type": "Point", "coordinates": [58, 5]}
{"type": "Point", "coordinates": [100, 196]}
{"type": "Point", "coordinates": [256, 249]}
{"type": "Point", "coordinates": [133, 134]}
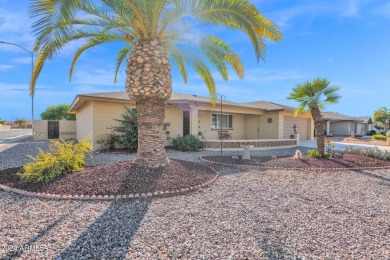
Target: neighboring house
{"type": "Point", "coordinates": [365, 125]}
{"type": "Point", "coordinates": [340, 125]}
{"type": "Point", "coordinates": [191, 114]}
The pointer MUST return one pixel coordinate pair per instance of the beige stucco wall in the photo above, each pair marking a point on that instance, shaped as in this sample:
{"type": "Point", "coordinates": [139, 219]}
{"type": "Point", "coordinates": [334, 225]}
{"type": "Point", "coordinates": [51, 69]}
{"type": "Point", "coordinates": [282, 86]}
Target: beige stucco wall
{"type": "Point", "coordinates": [67, 129]}
{"type": "Point", "coordinates": [105, 113]}
{"type": "Point", "coordinates": [237, 131]}
{"type": "Point", "coordinates": [84, 121]}
{"type": "Point", "coordinates": [5, 127]}
{"type": "Point", "coordinates": [269, 130]}
{"type": "Point", "coordinates": [174, 116]}
{"type": "Point", "coordinates": [40, 130]}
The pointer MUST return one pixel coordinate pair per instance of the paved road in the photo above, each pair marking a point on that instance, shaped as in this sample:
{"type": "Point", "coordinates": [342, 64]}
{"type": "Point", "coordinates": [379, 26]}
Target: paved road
{"type": "Point", "coordinates": [13, 133]}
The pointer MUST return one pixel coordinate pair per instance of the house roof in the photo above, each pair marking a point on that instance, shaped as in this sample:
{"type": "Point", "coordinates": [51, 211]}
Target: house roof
{"type": "Point", "coordinates": [269, 106]}
{"type": "Point", "coordinates": [338, 117]}
{"type": "Point", "coordinates": [122, 95]}
{"type": "Point", "coordinates": [365, 119]}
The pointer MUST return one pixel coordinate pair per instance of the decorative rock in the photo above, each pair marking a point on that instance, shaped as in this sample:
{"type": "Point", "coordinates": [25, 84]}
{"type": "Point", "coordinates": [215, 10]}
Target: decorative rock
{"type": "Point", "coordinates": [298, 155]}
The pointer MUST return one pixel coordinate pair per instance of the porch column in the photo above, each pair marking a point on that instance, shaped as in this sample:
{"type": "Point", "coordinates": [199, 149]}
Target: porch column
{"type": "Point", "coordinates": [194, 119]}
{"type": "Point", "coordinates": [281, 126]}
{"type": "Point", "coordinates": [327, 127]}
{"type": "Point", "coordinates": [312, 129]}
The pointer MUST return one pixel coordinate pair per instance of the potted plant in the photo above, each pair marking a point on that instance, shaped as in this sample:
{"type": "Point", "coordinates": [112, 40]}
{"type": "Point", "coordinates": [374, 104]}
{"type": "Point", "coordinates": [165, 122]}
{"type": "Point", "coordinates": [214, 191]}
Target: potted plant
{"type": "Point", "coordinates": [388, 137]}
{"type": "Point", "coordinates": [200, 135]}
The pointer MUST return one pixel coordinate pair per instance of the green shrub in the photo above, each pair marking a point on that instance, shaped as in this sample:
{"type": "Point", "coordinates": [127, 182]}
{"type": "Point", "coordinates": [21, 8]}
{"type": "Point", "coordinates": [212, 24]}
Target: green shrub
{"type": "Point", "coordinates": [62, 158]}
{"type": "Point", "coordinates": [379, 137]}
{"type": "Point", "coordinates": [313, 154]}
{"type": "Point", "coordinates": [106, 142]}
{"type": "Point", "coordinates": [371, 133]}
{"type": "Point", "coordinates": [128, 130]}
{"type": "Point", "coordinates": [316, 154]}
{"type": "Point", "coordinates": [186, 143]}
{"type": "Point", "coordinates": [388, 134]}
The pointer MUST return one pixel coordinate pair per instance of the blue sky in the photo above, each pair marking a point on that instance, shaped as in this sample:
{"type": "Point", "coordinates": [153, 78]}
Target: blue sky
{"type": "Point", "coordinates": [346, 41]}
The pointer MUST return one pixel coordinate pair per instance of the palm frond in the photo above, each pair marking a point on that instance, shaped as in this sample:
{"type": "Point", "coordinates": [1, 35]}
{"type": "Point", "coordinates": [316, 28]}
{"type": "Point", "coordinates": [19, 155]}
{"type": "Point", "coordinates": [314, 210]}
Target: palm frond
{"type": "Point", "coordinates": [123, 53]}
{"type": "Point", "coordinates": [93, 42]}
{"type": "Point", "coordinates": [314, 94]}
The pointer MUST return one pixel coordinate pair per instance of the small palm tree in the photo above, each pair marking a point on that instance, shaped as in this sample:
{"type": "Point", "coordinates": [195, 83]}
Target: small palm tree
{"type": "Point", "coordinates": [313, 96]}
{"type": "Point", "coordinates": [155, 35]}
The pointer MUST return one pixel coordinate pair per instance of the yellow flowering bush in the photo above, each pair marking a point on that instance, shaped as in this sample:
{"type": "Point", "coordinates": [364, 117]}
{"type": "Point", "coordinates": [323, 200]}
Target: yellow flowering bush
{"type": "Point", "coordinates": [62, 158]}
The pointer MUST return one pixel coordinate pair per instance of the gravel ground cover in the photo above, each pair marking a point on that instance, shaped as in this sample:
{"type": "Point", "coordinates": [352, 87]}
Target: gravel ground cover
{"type": "Point", "coordinates": [345, 160]}
{"type": "Point", "coordinates": [258, 214]}
{"type": "Point", "coordinates": [121, 178]}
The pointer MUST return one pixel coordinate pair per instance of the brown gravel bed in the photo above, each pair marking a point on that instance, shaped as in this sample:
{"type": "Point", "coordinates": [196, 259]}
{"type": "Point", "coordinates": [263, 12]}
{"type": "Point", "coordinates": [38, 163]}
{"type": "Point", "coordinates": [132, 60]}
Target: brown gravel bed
{"type": "Point", "coordinates": [117, 179]}
{"type": "Point", "coordinates": [343, 161]}
{"type": "Point", "coordinates": [262, 214]}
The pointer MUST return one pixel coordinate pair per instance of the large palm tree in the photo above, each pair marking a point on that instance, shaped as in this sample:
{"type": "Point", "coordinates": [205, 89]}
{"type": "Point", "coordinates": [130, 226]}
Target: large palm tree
{"type": "Point", "coordinates": [313, 96]}
{"type": "Point", "coordinates": [154, 33]}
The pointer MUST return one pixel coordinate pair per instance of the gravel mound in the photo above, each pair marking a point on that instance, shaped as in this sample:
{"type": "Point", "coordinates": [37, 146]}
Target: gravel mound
{"type": "Point", "coordinates": [121, 178]}
{"type": "Point", "coordinates": [259, 214]}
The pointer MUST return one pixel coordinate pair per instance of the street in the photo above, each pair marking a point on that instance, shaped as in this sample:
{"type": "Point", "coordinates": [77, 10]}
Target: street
{"type": "Point", "coordinates": [14, 133]}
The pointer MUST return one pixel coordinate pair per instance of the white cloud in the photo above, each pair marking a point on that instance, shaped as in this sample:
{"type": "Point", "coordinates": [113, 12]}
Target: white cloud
{"type": "Point", "coordinates": [383, 10]}
{"type": "Point", "coordinates": [97, 77]}
{"type": "Point", "coordinates": [22, 60]}
{"type": "Point", "coordinates": [6, 67]}
{"type": "Point", "coordinates": [15, 28]}
{"type": "Point", "coordinates": [339, 8]}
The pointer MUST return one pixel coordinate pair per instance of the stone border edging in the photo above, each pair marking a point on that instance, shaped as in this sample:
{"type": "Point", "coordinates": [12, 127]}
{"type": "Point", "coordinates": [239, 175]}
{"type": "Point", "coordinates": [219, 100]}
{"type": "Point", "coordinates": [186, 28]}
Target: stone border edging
{"type": "Point", "coordinates": [111, 197]}
{"type": "Point", "coordinates": [293, 168]}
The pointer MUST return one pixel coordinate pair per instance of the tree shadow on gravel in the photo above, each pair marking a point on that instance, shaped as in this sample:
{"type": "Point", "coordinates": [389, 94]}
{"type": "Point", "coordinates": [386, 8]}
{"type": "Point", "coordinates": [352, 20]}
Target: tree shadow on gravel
{"type": "Point", "coordinates": [365, 173]}
{"type": "Point", "coordinates": [110, 236]}
{"type": "Point", "coordinates": [30, 244]}
{"type": "Point", "coordinates": [224, 170]}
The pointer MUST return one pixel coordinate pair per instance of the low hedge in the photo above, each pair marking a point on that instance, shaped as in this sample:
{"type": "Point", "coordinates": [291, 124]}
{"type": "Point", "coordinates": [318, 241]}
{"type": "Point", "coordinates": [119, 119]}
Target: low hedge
{"type": "Point", "coordinates": [379, 137]}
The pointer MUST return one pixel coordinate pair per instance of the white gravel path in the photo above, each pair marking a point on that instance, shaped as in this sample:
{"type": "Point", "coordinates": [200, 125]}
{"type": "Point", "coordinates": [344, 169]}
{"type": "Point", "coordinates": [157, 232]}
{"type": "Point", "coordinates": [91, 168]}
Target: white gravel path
{"type": "Point", "coordinates": [259, 214]}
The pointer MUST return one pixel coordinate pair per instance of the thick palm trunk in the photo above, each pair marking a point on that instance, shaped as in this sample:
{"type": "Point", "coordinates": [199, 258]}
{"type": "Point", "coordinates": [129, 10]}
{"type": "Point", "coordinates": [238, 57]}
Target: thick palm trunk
{"type": "Point", "coordinates": [149, 84]}
{"type": "Point", "coordinates": [319, 127]}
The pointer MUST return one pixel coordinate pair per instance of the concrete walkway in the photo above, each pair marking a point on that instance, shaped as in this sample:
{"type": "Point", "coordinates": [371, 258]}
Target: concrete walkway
{"type": "Point", "coordinates": [340, 146]}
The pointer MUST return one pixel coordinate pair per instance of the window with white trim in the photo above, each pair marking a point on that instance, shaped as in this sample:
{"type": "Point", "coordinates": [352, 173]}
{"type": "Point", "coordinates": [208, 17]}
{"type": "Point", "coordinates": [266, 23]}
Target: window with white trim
{"type": "Point", "coordinates": [227, 121]}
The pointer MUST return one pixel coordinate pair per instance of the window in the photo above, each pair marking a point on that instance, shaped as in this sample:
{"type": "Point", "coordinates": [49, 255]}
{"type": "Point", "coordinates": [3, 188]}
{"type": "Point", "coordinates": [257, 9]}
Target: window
{"type": "Point", "coordinates": [227, 121]}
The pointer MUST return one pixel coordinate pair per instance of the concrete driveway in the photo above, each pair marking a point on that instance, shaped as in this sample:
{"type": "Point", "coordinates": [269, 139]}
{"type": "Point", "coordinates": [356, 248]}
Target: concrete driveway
{"type": "Point", "coordinates": [340, 146]}
{"type": "Point", "coordinates": [4, 135]}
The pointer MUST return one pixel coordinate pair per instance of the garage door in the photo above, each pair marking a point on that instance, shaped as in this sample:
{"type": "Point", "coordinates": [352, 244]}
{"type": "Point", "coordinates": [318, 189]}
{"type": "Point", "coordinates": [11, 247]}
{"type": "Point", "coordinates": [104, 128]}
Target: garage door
{"type": "Point", "coordinates": [303, 127]}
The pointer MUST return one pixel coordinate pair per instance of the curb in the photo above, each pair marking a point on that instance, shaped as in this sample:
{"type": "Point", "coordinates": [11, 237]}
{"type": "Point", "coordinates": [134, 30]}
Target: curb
{"type": "Point", "coordinates": [155, 194]}
{"type": "Point", "coordinates": [293, 168]}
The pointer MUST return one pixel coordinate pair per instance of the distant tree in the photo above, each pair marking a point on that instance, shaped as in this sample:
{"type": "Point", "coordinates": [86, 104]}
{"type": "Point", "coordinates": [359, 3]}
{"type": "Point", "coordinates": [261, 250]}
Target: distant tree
{"type": "Point", "coordinates": [57, 113]}
{"type": "Point", "coordinates": [312, 96]}
{"type": "Point", "coordinates": [21, 122]}
{"type": "Point", "coordinates": [382, 118]}
{"type": "Point", "coordinates": [2, 122]}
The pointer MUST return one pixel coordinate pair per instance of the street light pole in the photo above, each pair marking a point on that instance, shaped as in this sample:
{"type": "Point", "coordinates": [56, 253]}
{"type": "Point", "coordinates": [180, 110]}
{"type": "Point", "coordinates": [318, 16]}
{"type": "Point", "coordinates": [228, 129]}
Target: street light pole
{"type": "Point", "coordinates": [32, 92]}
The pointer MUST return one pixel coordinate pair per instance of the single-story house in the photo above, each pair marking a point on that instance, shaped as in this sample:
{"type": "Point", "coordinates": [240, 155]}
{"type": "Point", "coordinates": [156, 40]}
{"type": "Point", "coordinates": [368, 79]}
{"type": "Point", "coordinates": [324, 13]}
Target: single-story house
{"type": "Point", "coordinates": [339, 124]}
{"type": "Point", "coordinates": [365, 125]}
{"type": "Point", "coordinates": [191, 114]}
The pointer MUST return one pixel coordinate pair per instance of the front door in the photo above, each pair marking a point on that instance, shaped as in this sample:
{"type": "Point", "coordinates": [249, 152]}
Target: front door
{"type": "Point", "coordinates": [253, 127]}
{"type": "Point", "coordinates": [53, 129]}
{"type": "Point", "coordinates": [186, 123]}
